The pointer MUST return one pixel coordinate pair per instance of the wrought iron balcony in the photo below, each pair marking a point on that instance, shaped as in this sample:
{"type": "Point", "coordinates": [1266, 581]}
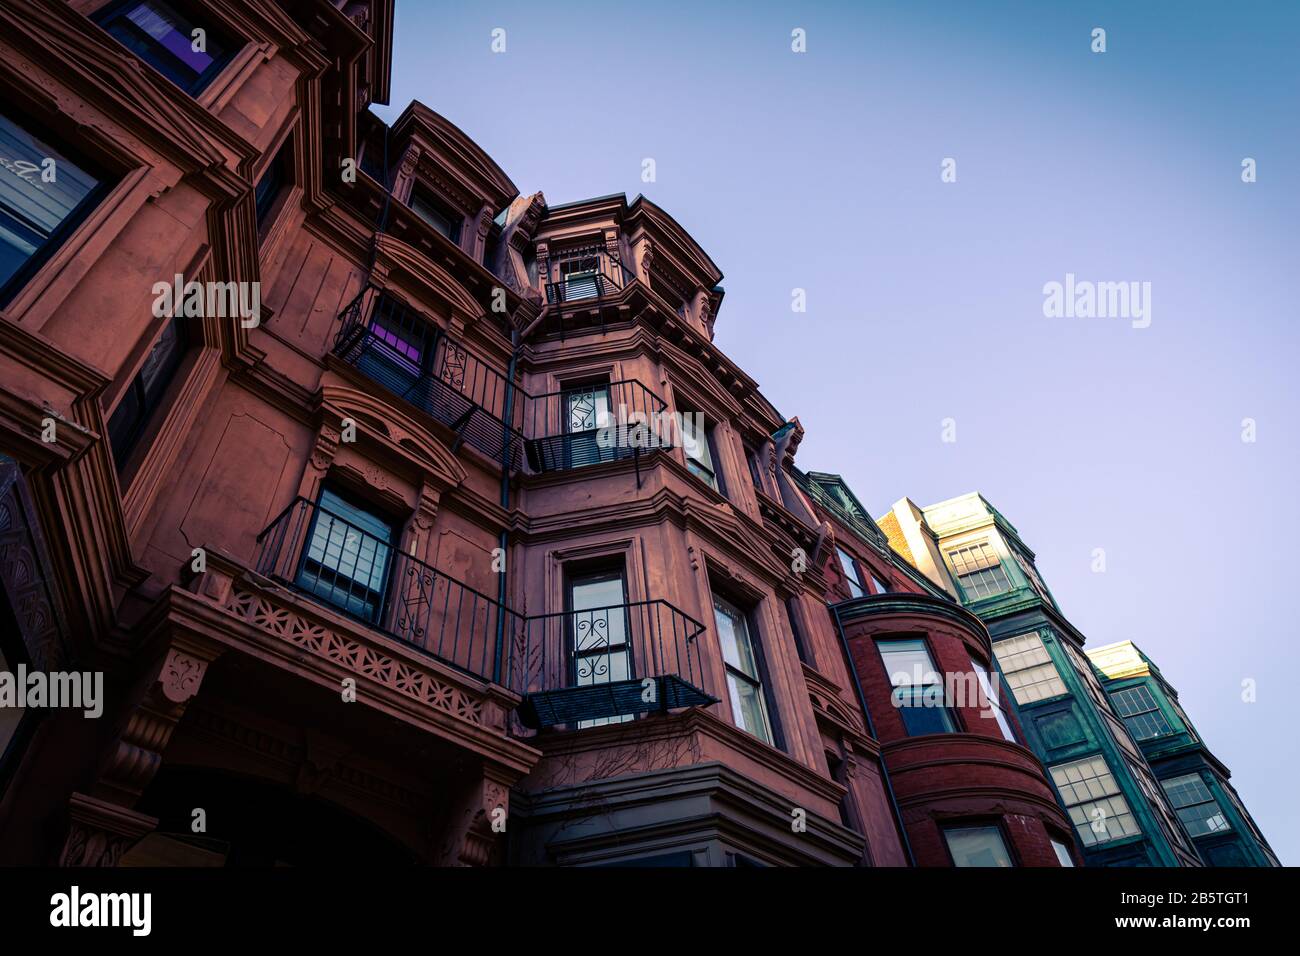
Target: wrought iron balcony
{"type": "Point", "coordinates": [586, 272]}
{"type": "Point", "coordinates": [590, 424]}
{"type": "Point", "coordinates": [362, 575]}
{"type": "Point", "coordinates": [409, 355]}
{"type": "Point", "coordinates": [582, 667]}
{"type": "Point", "coordinates": [393, 344]}
{"type": "Point", "coordinates": [605, 665]}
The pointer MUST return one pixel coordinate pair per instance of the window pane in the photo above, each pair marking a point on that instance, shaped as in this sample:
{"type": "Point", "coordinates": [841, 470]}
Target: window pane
{"type": "Point", "coordinates": [994, 699]}
{"type": "Point", "coordinates": [733, 632]}
{"type": "Point", "coordinates": [744, 683]}
{"type": "Point", "coordinates": [1092, 797]}
{"type": "Point", "coordinates": [977, 846]}
{"type": "Point", "coordinates": [1195, 805]}
{"type": "Point", "coordinates": [346, 559]}
{"type": "Point", "coordinates": [1028, 668]}
{"type": "Point", "coordinates": [1062, 853]}
{"type": "Point", "coordinates": [908, 662]}
{"type": "Point", "coordinates": [979, 570]}
{"type": "Point", "coordinates": [432, 212]}
{"type": "Point", "coordinates": [31, 210]}
{"type": "Point", "coordinates": [695, 443]}
{"type": "Point", "coordinates": [164, 39]}
{"type": "Point", "coordinates": [1141, 713]}
{"type": "Point", "coordinates": [851, 573]}
{"type": "Point", "coordinates": [747, 707]}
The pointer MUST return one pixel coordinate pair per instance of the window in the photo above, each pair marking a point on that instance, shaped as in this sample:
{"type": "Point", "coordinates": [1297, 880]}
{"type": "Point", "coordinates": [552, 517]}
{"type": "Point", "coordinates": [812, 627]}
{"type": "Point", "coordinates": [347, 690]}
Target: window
{"type": "Point", "coordinates": [1063, 854]}
{"type": "Point", "coordinates": [918, 688]}
{"type": "Point", "coordinates": [349, 550]}
{"type": "Point", "coordinates": [755, 472]}
{"type": "Point", "coordinates": [698, 445]}
{"type": "Point", "coordinates": [1031, 573]}
{"type": "Point", "coordinates": [994, 698]}
{"type": "Point", "coordinates": [1093, 800]}
{"type": "Point", "coordinates": [979, 572]}
{"type": "Point", "coordinates": [580, 276]}
{"type": "Point", "coordinates": [1059, 729]}
{"type": "Point", "coordinates": [144, 394]}
{"type": "Point", "coordinates": [800, 642]}
{"type": "Point", "coordinates": [1141, 713]}
{"type": "Point", "coordinates": [1195, 805]}
{"type": "Point", "coordinates": [274, 179]}
{"type": "Point", "coordinates": [977, 846]}
{"type": "Point", "coordinates": [1028, 668]}
{"type": "Point", "coordinates": [744, 678]}
{"type": "Point", "coordinates": [165, 39]}
{"type": "Point", "coordinates": [599, 652]}
{"type": "Point", "coordinates": [436, 214]}
{"type": "Point", "coordinates": [35, 215]}
{"type": "Point", "coordinates": [856, 588]}
{"type": "Point", "coordinates": [586, 411]}
{"type": "Point", "coordinates": [878, 586]}
{"type": "Point", "coordinates": [1158, 800]}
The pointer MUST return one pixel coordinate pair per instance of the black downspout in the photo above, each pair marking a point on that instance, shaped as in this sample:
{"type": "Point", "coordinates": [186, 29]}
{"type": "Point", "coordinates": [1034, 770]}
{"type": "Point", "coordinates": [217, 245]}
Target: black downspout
{"type": "Point", "coordinates": [871, 729]}
{"type": "Point", "coordinates": [502, 541]}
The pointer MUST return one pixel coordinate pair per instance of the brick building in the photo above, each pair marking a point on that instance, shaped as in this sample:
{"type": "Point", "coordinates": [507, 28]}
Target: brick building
{"type": "Point", "coordinates": [396, 505]}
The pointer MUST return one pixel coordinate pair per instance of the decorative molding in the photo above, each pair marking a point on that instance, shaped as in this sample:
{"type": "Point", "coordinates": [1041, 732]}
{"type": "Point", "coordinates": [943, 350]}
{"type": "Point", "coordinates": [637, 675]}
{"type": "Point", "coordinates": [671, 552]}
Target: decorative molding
{"type": "Point", "coordinates": [100, 832]}
{"type": "Point", "coordinates": [369, 662]}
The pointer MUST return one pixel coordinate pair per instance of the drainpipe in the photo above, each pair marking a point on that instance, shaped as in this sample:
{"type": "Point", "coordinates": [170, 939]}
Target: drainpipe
{"type": "Point", "coordinates": [502, 541]}
{"type": "Point", "coordinates": [871, 729]}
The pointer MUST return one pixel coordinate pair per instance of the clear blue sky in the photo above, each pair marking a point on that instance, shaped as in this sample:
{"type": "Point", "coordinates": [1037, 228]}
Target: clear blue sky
{"type": "Point", "coordinates": [821, 171]}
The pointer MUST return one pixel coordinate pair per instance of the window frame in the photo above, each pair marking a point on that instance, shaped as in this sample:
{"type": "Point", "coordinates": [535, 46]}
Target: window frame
{"type": "Point", "coordinates": [105, 179]}
{"type": "Point", "coordinates": [147, 405]}
{"type": "Point", "coordinates": [857, 587]}
{"type": "Point", "coordinates": [1008, 672]}
{"type": "Point", "coordinates": [1090, 839]}
{"type": "Point", "coordinates": [575, 575]}
{"type": "Point", "coordinates": [992, 570]}
{"type": "Point", "coordinates": [111, 13]}
{"type": "Point", "coordinates": [392, 545]}
{"type": "Point", "coordinates": [996, 698]}
{"type": "Point", "coordinates": [950, 719]}
{"type": "Point", "coordinates": [431, 198]}
{"type": "Point", "coordinates": [1121, 702]}
{"type": "Point", "coordinates": [758, 681]}
{"type": "Point", "coordinates": [995, 826]}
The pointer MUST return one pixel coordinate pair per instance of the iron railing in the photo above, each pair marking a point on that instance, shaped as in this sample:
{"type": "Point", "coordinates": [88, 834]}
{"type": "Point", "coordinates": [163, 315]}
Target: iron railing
{"type": "Point", "coordinates": [578, 667]}
{"type": "Point", "coordinates": [583, 272]}
{"type": "Point", "coordinates": [607, 664]}
{"type": "Point", "coordinates": [355, 572]}
{"type": "Point", "coordinates": [589, 424]}
{"type": "Point", "coordinates": [395, 345]}
{"type": "Point", "coordinates": [401, 349]}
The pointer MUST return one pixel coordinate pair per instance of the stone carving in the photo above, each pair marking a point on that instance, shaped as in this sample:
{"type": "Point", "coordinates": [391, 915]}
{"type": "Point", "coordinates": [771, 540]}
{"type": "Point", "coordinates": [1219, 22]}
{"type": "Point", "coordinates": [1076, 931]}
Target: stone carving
{"type": "Point", "coordinates": [326, 447]}
{"type": "Point", "coordinates": [323, 642]}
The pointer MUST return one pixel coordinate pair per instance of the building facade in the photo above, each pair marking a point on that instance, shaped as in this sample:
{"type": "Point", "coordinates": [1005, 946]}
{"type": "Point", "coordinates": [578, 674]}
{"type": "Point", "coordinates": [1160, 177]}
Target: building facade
{"type": "Point", "coordinates": [1120, 814]}
{"type": "Point", "coordinates": [1196, 782]}
{"type": "Point", "coordinates": [389, 503]}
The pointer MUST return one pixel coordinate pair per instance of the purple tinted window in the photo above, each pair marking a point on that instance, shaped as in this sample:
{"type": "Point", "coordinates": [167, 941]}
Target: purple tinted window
{"type": "Point", "coordinates": [166, 26]}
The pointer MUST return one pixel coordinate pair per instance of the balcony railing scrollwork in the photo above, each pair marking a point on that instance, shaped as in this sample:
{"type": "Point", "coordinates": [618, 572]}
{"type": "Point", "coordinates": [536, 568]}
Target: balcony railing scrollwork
{"type": "Point", "coordinates": [579, 667]}
{"type": "Point", "coordinates": [408, 354]}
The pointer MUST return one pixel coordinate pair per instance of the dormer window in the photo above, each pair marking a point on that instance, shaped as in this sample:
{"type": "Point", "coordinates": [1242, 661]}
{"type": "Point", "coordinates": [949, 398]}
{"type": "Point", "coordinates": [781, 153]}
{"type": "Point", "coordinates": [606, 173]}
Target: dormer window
{"type": "Point", "coordinates": [436, 213]}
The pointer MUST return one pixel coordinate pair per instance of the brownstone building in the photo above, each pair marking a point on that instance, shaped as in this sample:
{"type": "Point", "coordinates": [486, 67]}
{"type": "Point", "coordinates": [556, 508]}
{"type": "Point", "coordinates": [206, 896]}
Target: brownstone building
{"type": "Point", "coordinates": [316, 447]}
